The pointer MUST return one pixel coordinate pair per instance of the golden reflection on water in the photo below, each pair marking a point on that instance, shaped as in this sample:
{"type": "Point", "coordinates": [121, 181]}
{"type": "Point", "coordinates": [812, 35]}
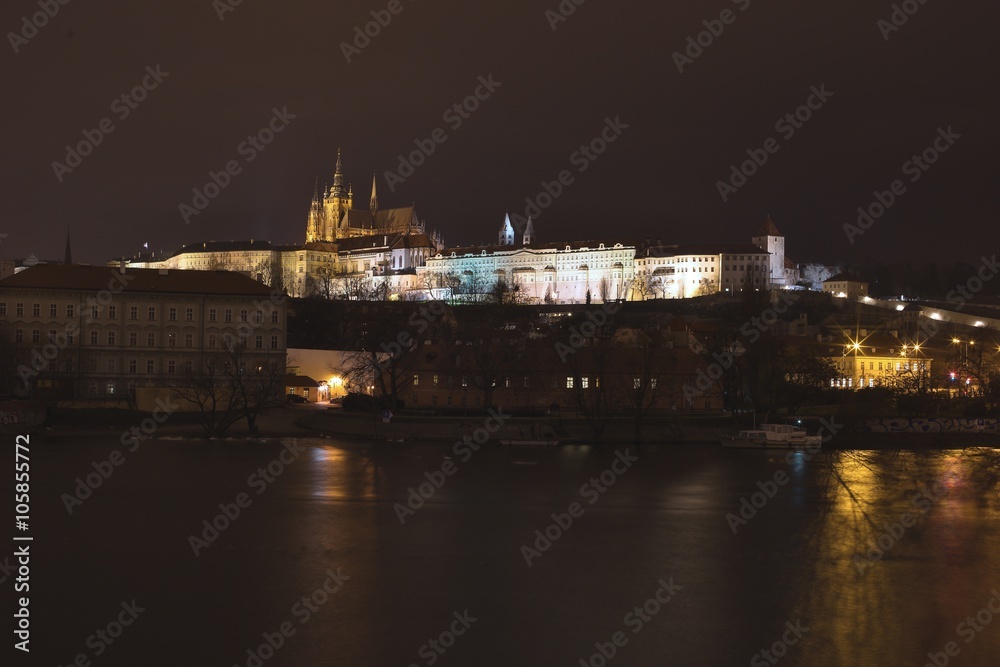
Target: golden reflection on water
{"type": "Point", "coordinates": [337, 476]}
{"type": "Point", "coordinates": [877, 583]}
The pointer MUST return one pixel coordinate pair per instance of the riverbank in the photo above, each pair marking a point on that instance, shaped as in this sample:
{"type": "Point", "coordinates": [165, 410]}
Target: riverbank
{"type": "Point", "coordinates": [318, 421]}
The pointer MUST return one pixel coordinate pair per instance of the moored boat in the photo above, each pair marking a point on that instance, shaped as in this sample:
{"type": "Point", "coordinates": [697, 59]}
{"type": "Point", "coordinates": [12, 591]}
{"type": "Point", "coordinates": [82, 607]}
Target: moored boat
{"type": "Point", "coordinates": [773, 436]}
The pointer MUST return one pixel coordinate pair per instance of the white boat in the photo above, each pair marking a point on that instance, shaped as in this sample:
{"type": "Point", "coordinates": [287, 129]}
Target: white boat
{"type": "Point", "coordinates": [536, 435]}
{"type": "Point", "coordinates": [773, 436]}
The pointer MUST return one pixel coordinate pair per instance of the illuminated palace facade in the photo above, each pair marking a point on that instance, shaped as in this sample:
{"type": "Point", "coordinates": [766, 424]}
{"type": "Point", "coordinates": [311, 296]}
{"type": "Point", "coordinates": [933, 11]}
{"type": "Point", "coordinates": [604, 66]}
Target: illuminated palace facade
{"type": "Point", "coordinates": [573, 272]}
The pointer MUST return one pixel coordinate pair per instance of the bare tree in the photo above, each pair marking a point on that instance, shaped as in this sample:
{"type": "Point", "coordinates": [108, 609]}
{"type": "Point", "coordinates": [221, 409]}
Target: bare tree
{"type": "Point", "coordinates": [232, 385]}
{"type": "Point", "coordinates": [648, 360]}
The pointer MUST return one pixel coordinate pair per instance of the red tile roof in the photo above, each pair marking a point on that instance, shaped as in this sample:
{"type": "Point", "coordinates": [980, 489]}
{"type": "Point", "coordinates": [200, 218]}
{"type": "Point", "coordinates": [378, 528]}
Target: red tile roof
{"type": "Point", "coordinates": [174, 281]}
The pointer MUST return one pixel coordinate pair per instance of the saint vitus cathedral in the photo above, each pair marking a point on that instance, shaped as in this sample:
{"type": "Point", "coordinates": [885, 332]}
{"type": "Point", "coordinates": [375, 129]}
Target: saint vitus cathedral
{"type": "Point", "coordinates": [332, 215]}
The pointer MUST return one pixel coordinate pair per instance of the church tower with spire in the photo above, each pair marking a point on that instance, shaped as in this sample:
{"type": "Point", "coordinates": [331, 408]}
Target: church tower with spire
{"type": "Point", "coordinates": [373, 202]}
{"type": "Point", "coordinates": [506, 236]}
{"type": "Point", "coordinates": [529, 232]}
{"type": "Point", "coordinates": [314, 227]}
{"type": "Point", "coordinates": [337, 203]}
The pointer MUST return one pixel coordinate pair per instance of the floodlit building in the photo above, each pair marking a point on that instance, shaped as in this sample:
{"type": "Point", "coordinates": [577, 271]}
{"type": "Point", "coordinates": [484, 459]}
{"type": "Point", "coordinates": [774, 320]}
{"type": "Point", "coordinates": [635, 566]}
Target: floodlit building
{"type": "Point", "coordinates": [344, 246]}
{"type": "Point", "coordinates": [562, 272]}
{"type": "Point", "coordinates": [845, 285]}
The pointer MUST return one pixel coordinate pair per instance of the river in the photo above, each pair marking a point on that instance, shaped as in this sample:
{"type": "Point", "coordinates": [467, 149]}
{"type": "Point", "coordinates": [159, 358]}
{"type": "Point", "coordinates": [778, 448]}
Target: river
{"type": "Point", "coordinates": [680, 555]}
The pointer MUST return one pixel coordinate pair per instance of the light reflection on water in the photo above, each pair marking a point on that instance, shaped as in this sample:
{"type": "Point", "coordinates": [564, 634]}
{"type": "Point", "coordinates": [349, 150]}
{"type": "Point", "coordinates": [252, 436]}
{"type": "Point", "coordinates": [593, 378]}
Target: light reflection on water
{"type": "Point", "coordinates": [888, 593]}
{"type": "Point", "coordinates": [798, 558]}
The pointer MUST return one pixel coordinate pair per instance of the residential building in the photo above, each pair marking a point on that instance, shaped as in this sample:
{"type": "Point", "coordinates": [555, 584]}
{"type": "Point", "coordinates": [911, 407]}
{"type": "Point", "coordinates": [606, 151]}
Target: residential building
{"type": "Point", "coordinates": [845, 285]}
{"type": "Point", "coordinates": [101, 332]}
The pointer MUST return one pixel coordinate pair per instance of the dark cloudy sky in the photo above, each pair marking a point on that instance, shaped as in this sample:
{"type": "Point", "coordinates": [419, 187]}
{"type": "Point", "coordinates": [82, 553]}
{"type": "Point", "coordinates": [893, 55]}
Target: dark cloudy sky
{"type": "Point", "coordinates": [608, 59]}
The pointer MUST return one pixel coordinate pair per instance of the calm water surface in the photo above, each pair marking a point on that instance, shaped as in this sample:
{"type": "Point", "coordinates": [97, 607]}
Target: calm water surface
{"type": "Point", "coordinates": [808, 557]}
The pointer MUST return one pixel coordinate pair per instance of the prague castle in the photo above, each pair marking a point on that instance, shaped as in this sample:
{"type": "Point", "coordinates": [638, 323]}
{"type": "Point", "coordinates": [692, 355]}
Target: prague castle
{"type": "Point", "coordinates": [373, 253]}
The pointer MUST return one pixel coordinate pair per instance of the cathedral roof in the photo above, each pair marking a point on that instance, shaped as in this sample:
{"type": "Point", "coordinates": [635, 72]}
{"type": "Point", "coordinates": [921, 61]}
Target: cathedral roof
{"type": "Point", "coordinates": [390, 240]}
{"type": "Point", "coordinates": [388, 219]}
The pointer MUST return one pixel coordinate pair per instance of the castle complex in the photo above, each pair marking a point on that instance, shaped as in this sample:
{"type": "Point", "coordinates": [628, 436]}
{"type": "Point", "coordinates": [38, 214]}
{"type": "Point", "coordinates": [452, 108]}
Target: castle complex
{"type": "Point", "coordinates": [374, 253]}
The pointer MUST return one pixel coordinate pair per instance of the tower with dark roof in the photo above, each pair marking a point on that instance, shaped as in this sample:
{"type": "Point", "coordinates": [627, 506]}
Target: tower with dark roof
{"type": "Point", "coordinates": [773, 241]}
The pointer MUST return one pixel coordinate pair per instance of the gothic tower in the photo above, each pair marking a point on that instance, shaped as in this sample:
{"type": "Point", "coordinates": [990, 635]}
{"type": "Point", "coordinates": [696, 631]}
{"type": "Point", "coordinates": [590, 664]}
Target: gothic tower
{"type": "Point", "coordinates": [529, 232]}
{"type": "Point", "coordinates": [336, 204]}
{"type": "Point", "coordinates": [506, 236]}
{"type": "Point", "coordinates": [314, 227]}
{"type": "Point", "coordinates": [771, 240]}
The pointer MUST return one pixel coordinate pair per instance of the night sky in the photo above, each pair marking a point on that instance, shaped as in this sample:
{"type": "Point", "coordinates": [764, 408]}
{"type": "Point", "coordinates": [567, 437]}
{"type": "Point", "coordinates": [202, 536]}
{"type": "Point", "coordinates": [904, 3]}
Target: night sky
{"type": "Point", "coordinates": [606, 60]}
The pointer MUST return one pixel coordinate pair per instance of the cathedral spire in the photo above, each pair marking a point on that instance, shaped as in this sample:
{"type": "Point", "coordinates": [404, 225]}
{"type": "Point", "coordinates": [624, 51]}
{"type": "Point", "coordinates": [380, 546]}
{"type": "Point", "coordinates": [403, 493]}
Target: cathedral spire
{"type": "Point", "coordinates": [374, 200]}
{"type": "Point", "coordinates": [337, 189]}
{"type": "Point", "coordinates": [317, 201]}
{"type": "Point", "coordinates": [68, 259]}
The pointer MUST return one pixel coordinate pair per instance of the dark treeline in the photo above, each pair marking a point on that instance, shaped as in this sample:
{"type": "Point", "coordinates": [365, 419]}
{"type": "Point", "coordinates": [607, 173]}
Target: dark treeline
{"type": "Point", "coordinates": [924, 280]}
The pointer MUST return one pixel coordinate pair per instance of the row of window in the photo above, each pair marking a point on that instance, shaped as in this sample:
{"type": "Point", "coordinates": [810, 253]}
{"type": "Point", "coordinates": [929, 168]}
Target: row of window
{"type": "Point", "coordinates": [885, 366]}
{"type": "Point", "coordinates": [172, 313]}
{"type": "Point", "coordinates": [525, 382]}
{"type": "Point", "coordinates": [133, 339]}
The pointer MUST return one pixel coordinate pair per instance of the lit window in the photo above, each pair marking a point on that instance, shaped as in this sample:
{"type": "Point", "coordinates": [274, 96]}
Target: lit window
{"type": "Point", "coordinates": [569, 381]}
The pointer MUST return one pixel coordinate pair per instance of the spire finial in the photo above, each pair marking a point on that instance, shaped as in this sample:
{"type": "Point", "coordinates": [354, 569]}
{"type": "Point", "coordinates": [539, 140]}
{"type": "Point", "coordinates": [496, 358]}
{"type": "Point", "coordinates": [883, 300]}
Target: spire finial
{"type": "Point", "coordinates": [374, 200]}
{"type": "Point", "coordinates": [337, 189]}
